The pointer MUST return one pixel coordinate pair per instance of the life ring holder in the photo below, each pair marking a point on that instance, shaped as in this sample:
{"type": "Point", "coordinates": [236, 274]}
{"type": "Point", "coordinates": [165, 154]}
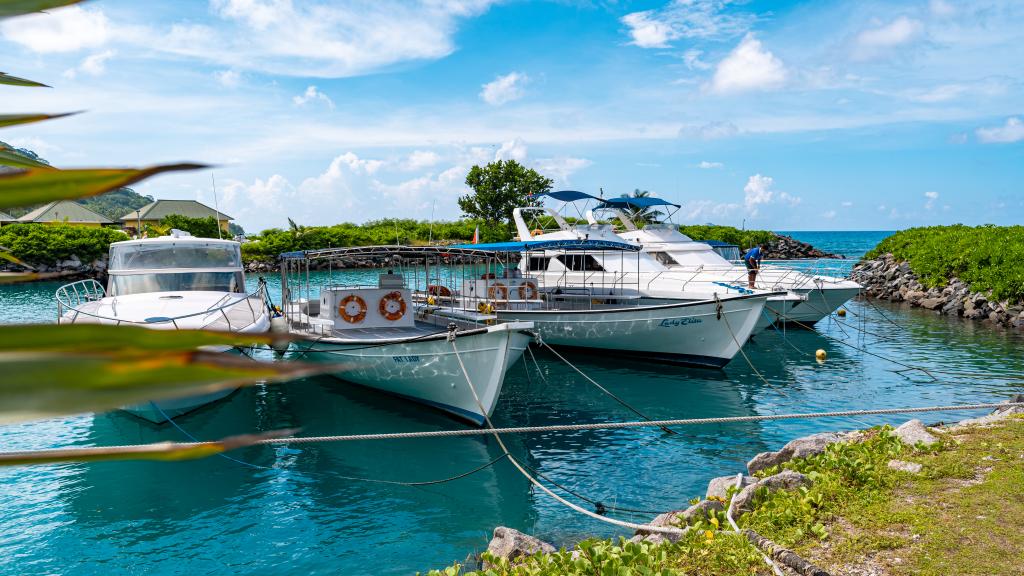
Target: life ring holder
{"type": "Point", "coordinates": [496, 288]}
{"type": "Point", "coordinates": [360, 314]}
{"type": "Point", "coordinates": [527, 291]}
{"type": "Point", "coordinates": [386, 311]}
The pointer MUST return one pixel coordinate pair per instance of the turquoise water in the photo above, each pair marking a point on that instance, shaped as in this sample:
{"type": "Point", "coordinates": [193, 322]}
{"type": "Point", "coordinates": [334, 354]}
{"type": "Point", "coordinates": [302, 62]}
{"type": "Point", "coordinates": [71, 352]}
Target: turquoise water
{"type": "Point", "coordinates": [311, 509]}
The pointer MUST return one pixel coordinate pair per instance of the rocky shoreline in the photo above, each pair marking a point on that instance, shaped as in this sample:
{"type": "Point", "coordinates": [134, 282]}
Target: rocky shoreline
{"type": "Point", "coordinates": [508, 544]}
{"type": "Point", "coordinates": [789, 248]}
{"type": "Point", "coordinates": [71, 269]}
{"type": "Point", "coordinates": [889, 279]}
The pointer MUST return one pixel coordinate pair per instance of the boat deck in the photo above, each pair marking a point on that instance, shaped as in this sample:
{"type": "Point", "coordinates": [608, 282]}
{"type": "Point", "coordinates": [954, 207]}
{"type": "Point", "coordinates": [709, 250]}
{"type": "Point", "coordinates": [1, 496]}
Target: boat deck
{"type": "Point", "coordinates": [238, 316]}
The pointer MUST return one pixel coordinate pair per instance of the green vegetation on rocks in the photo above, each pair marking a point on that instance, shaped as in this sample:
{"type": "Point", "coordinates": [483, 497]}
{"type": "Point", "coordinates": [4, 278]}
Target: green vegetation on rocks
{"type": "Point", "coordinates": [741, 238]}
{"type": "Point", "coordinates": [985, 257]}
{"type": "Point", "coordinates": [46, 244]}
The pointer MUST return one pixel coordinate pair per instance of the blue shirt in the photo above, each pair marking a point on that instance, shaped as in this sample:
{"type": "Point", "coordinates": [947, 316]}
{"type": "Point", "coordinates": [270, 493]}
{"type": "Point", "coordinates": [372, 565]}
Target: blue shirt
{"type": "Point", "coordinates": [753, 254]}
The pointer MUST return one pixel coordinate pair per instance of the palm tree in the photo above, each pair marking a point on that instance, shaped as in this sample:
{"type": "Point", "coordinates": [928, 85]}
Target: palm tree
{"type": "Point", "coordinates": [642, 215]}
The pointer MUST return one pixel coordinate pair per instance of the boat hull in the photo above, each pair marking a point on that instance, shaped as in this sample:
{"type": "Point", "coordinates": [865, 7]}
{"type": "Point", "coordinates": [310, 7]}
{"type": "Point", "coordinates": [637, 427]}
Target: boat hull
{"type": "Point", "coordinates": [687, 333]}
{"type": "Point", "coordinates": [816, 304]}
{"type": "Point", "coordinates": [427, 370]}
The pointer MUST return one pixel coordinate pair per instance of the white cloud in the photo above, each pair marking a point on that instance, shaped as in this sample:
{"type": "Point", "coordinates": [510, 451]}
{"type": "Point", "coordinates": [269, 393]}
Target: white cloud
{"type": "Point", "coordinates": [748, 67]}
{"type": "Point", "coordinates": [875, 42]}
{"type": "Point", "coordinates": [355, 164]}
{"type": "Point", "coordinates": [710, 131]}
{"type": "Point", "coordinates": [561, 168]}
{"type": "Point", "coordinates": [846, 204]}
{"type": "Point", "coordinates": [1011, 131]}
{"type": "Point", "coordinates": [512, 150]}
{"type": "Point", "coordinates": [684, 19]}
{"type": "Point", "coordinates": [312, 94]}
{"type": "Point", "coordinates": [420, 159]}
{"type": "Point", "coordinates": [707, 210]}
{"type": "Point", "coordinates": [758, 192]}
{"type": "Point", "coordinates": [828, 214]}
{"type": "Point", "coordinates": [705, 165]}
{"type": "Point", "coordinates": [693, 61]}
{"type": "Point", "coordinates": [941, 8]}
{"type": "Point", "coordinates": [62, 30]}
{"type": "Point", "coordinates": [228, 78]}
{"type": "Point", "coordinates": [504, 89]}
{"type": "Point", "coordinates": [94, 65]}
{"type": "Point", "coordinates": [931, 196]}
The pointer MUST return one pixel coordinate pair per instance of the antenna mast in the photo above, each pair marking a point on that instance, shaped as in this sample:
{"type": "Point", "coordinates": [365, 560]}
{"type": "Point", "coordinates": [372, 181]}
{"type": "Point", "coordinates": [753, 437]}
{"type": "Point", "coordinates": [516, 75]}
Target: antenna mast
{"type": "Point", "coordinates": [216, 208]}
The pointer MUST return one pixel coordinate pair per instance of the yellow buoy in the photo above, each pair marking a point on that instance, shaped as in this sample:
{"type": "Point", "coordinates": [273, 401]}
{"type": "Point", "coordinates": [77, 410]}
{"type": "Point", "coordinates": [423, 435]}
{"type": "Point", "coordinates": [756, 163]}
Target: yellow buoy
{"type": "Point", "coordinates": [842, 312]}
{"type": "Point", "coordinates": [820, 355]}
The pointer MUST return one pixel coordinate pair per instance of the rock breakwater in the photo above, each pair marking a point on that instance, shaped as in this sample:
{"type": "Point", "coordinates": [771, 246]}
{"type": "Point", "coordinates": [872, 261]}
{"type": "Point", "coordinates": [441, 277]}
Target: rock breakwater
{"type": "Point", "coordinates": [887, 278]}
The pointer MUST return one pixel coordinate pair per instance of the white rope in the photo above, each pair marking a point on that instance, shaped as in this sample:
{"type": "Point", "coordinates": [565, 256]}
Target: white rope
{"type": "Point", "coordinates": [535, 482]}
{"type": "Point", "coordinates": [736, 529]}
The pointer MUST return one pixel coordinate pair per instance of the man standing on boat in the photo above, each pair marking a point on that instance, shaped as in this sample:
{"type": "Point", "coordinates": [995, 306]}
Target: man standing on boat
{"type": "Point", "coordinates": [753, 261]}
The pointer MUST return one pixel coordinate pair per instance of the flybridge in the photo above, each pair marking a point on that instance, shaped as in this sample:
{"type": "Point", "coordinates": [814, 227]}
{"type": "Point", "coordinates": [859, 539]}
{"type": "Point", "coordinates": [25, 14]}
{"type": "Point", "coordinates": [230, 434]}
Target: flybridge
{"type": "Point", "coordinates": [619, 202]}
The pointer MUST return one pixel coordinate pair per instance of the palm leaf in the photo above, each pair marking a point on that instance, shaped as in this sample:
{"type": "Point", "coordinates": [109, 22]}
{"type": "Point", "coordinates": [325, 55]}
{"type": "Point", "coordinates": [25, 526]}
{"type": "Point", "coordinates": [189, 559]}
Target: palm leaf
{"type": "Point", "coordinates": [15, 119]}
{"type": "Point", "coordinates": [37, 186]}
{"type": "Point", "coordinates": [12, 277]}
{"type": "Point", "coordinates": [15, 81]}
{"type": "Point", "coordinates": [158, 451]}
{"type": "Point", "coordinates": [10, 8]}
{"type": "Point", "coordinates": [6, 254]}
{"type": "Point", "coordinates": [11, 157]}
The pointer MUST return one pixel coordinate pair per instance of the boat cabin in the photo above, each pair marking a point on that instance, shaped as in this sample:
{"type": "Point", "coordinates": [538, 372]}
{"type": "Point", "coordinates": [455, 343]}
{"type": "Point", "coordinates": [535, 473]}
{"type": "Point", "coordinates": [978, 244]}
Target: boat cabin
{"type": "Point", "coordinates": [175, 263]}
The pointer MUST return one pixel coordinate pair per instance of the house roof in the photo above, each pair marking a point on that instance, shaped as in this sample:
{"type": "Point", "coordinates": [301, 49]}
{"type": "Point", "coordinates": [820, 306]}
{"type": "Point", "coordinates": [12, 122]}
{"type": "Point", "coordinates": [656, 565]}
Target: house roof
{"type": "Point", "coordinates": [163, 208]}
{"type": "Point", "coordinates": [64, 211]}
{"type": "Point", "coordinates": [5, 217]}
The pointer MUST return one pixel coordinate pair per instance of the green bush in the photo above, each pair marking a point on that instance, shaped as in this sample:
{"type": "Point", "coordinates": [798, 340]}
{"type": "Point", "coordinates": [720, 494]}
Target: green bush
{"type": "Point", "coordinates": [985, 257]}
{"type": "Point", "coordinates": [742, 238]}
{"type": "Point", "coordinates": [198, 227]}
{"type": "Point", "coordinates": [46, 244]}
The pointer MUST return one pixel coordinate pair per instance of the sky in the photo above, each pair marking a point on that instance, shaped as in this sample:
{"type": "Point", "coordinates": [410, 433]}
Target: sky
{"type": "Point", "coordinates": [783, 115]}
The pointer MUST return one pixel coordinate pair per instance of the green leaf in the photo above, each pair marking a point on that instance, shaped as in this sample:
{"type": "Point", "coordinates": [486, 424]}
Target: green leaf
{"type": "Point", "coordinates": [51, 370]}
{"type": "Point", "coordinates": [15, 119]}
{"type": "Point", "coordinates": [6, 254]}
{"type": "Point", "coordinates": [15, 81]}
{"type": "Point", "coordinates": [12, 277]}
{"type": "Point", "coordinates": [36, 186]}
{"type": "Point", "coordinates": [11, 157]}
{"type": "Point", "coordinates": [10, 8]}
{"type": "Point", "coordinates": [158, 451]}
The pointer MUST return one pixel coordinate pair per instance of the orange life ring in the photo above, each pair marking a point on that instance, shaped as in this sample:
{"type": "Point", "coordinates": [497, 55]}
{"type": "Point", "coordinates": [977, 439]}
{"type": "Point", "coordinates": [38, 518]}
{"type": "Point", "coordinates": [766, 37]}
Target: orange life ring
{"type": "Point", "coordinates": [438, 290]}
{"type": "Point", "coordinates": [488, 276]}
{"type": "Point", "coordinates": [352, 316]}
{"type": "Point", "coordinates": [392, 306]}
{"type": "Point", "coordinates": [527, 291]}
{"type": "Point", "coordinates": [496, 288]}
{"type": "Point", "coordinates": [536, 232]}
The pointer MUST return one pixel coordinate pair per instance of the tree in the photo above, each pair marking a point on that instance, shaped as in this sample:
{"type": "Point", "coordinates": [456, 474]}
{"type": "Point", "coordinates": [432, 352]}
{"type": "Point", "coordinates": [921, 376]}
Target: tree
{"type": "Point", "coordinates": [498, 188]}
{"type": "Point", "coordinates": [642, 215]}
{"type": "Point", "coordinates": [199, 227]}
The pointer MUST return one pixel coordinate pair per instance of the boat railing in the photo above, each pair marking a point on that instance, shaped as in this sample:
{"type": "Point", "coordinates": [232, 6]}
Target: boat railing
{"type": "Point", "coordinates": [71, 297]}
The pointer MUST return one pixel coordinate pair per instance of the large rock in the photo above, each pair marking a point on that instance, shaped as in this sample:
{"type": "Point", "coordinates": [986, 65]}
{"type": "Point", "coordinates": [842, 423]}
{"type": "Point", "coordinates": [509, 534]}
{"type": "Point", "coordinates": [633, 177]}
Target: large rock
{"type": "Point", "coordinates": [799, 448]}
{"type": "Point", "coordinates": [913, 432]}
{"type": "Point", "coordinates": [681, 518]}
{"type": "Point", "coordinates": [785, 480]}
{"type": "Point", "coordinates": [512, 544]}
{"type": "Point", "coordinates": [932, 303]}
{"type": "Point", "coordinates": [717, 487]}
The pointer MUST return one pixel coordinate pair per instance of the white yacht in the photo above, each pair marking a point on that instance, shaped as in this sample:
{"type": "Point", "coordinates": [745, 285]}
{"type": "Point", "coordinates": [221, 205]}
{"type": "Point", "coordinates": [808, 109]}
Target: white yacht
{"type": "Point", "coordinates": [377, 337]}
{"type": "Point", "coordinates": [170, 283]}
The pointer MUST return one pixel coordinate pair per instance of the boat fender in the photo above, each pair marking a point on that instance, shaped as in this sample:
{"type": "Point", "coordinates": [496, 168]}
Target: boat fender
{"type": "Point", "coordinates": [352, 309]}
{"type": "Point", "coordinates": [527, 291]}
{"type": "Point", "coordinates": [392, 306]}
{"type": "Point", "coordinates": [495, 289]}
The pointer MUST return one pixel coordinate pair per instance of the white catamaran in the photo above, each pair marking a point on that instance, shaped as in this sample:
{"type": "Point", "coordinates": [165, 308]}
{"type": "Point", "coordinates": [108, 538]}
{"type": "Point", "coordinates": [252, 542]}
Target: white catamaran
{"type": "Point", "coordinates": [382, 342]}
{"type": "Point", "coordinates": [169, 283]}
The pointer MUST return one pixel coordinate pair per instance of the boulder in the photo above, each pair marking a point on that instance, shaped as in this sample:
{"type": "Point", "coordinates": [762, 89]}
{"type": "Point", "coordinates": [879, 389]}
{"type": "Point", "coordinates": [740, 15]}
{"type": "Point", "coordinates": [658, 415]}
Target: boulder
{"type": "Point", "coordinates": [932, 303]}
{"type": "Point", "coordinates": [913, 432]}
{"type": "Point", "coordinates": [681, 518]}
{"type": "Point", "coordinates": [717, 487]}
{"type": "Point", "coordinates": [512, 544]}
{"type": "Point", "coordinates": [799, 448]}
{"type": "Point", "coordinates": [902, 466]}
{"type": "Point", "coordinates": [785, 480]}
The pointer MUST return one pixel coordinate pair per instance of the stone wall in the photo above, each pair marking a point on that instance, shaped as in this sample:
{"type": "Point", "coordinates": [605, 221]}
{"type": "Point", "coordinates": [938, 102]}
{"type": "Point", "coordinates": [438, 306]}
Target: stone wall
{"type": "Point", "coordinates": [889, 279]}
{"type": "Point", "coordinates": [786, 248]}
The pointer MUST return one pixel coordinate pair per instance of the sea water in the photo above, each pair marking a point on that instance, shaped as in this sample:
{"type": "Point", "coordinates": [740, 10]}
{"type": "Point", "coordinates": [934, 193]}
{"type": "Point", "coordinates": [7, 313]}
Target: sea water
{"type": "Point", "coordinates": [329, 509]}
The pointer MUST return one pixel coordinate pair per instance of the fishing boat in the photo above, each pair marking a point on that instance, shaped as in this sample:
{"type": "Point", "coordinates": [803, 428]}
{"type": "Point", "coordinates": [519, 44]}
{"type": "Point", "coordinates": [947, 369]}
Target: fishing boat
{"type": "Point", "coordinates": [674, 260]}
{"type": "Point", "coordinates": [383, 342]}
{"type": "Point", "coordinates": [603, 313]}
{"type": "Point", "coordinates": [170, 282]}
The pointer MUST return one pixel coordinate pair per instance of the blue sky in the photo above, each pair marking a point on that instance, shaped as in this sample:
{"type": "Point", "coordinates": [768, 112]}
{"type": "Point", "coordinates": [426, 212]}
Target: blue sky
{"type": "Point", "coordinates": [792, 116]}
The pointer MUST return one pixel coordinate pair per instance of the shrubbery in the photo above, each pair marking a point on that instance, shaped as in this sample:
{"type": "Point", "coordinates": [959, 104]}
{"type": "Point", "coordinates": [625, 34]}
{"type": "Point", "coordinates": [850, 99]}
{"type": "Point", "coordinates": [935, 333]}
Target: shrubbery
{"type": "Point", "coordinates": [46, 244]}
{"type": "Point", "coordinates": [741, 238]}
{"type": "Point", "coordinates": [985, 257]}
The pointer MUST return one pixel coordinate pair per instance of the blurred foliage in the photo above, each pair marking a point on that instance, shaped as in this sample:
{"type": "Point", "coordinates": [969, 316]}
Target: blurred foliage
{"type": "Point", "coordinates": [49, 243]}
{"type": "Point", "coordinates": [269, 243]}
{"type": "Point", "coordinates": [38, 185]}
{"type": "Point", "coordinates": [10, 8]}
{"type": "Point", "coordinates": [15, 119]}
{"type": "Point", "coordinates": [985, 257]}
{"type": "Point", "coordinates": [742, 238]}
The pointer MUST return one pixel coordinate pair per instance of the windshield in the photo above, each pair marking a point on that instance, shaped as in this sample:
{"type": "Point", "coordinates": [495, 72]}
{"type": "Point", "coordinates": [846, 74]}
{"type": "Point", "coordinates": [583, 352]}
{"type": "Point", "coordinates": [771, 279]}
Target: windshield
{"type": "Point", "coordinates": [165, 255]}
{"type": "Point", "coordinates": [124, 284]}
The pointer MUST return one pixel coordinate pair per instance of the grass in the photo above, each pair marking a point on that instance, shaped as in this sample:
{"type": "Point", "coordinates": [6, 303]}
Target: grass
{"type": "Point", "coordinates": [963, 514]}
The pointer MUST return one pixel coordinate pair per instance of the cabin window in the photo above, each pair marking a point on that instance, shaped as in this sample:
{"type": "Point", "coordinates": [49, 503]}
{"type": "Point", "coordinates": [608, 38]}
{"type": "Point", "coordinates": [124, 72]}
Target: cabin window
{"type": "Point", "coordinates": [580, 262]}
{"type": "Point", "coordinates": [124, 284]}
{"type": "Point", "coordinates": [168, 254]}
{"type": "Point", "coordinates": [664, 258]}
{"type": "Point", "coordinates": [537, 264]}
